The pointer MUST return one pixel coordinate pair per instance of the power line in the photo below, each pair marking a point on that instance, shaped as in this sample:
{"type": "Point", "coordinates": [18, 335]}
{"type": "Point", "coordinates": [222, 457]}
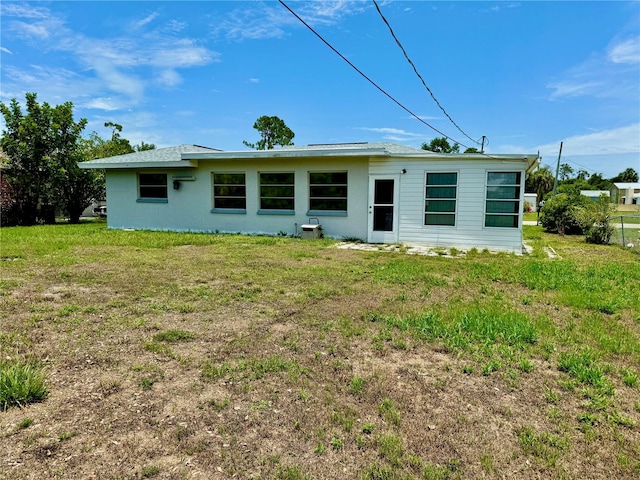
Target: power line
{"type": "Point", "coordinates": [388, 95]}
{"type": "Point", "coordinates": [418, 74]}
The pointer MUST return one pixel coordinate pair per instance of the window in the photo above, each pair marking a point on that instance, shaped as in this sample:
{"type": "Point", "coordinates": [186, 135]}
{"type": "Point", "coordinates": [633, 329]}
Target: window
{"type": "Point", "coordinates": [328, 191]}
{"type": "Point", "coordinates": [440, 199]}
{"type": "Point", "coordinates": [152, 185]}
{"type": "Point", "coordinates": [277, 191]}
{"type": "Point", "coordinates": [503, 199]}
{"type": "Point", "coordinates": [229, 191]}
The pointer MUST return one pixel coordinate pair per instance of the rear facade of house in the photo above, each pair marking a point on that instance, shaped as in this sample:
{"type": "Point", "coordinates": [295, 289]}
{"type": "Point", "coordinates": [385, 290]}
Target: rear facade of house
{"type": "Point", "coordinates": [378, 193]}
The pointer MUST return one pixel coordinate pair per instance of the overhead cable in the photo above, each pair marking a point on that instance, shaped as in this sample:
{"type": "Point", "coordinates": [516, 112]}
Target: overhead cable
{"type": "Point", "coordinates": [388, 95]}
{"type": "Point", "coordinates": [418, 73]}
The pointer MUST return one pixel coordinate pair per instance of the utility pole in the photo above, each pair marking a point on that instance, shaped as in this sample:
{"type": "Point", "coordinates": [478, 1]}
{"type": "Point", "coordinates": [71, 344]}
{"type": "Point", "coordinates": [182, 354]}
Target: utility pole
{"type": "Point", "coordinates": [555, 182]}
{"type": "Point", "coordinates": [482, 148]}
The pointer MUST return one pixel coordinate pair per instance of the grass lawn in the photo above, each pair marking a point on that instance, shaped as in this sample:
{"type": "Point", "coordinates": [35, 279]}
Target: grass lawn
{"type": "Point", "coordinates": [168, 355]}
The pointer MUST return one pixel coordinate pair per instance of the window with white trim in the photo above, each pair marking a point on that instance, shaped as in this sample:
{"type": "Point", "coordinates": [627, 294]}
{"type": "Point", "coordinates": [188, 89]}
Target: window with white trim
{"type": "Point", "coordinates": [152, 185]}
{"type": "Point", "coordinates": [229, 191]}
{"type": "Point", "coordinates": [277, 191]}
{"type": "Point", "coordinates": [328, 191]}
{"type": "Point", "coordinates": [441, 194]}
{"type": "Point", "coordinates": [502, 204]}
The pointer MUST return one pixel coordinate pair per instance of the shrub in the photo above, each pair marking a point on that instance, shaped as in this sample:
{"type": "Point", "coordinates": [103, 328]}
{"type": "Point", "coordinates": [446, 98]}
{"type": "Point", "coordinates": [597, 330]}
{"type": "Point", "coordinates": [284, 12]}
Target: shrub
{"type": "Point", "coordinates": [595, 220]}
{"type": "Point", "coordinates": [560, 214]}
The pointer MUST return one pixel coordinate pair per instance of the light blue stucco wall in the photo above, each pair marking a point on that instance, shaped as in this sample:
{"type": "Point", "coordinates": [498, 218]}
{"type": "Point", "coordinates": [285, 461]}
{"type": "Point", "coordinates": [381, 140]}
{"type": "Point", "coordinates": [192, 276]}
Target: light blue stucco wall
{"type": "Point", "coordinates": [189, 207]}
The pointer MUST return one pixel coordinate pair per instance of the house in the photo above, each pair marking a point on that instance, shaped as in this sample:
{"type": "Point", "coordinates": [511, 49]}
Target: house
{"type": "Point", "coordinates": [625, 193]}
{"type": "Point", "coordinates": [594, 194]}
{"type": "Point", "coordinates": [377, 192]}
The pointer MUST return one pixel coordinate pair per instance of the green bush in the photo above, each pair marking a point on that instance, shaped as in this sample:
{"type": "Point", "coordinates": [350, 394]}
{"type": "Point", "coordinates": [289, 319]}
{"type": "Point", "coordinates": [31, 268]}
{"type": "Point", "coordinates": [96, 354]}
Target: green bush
{"type": "Point", "coordinates": [595, 219]}
{"type": "Point", "coordinates": [560, 214]}
{"type": "Point", "coordinates": [20, 384]}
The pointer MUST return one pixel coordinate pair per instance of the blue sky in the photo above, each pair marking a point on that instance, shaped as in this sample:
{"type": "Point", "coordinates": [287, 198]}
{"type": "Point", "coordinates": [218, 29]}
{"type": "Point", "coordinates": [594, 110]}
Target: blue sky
{"type": "Point", "coordinates": [527, 75]}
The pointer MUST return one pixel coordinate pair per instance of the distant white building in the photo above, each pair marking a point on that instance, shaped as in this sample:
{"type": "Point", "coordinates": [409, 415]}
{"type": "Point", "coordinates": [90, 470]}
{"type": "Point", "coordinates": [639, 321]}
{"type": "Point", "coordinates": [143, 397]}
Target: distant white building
{"type": "Point", "coordinates": [625, 193]}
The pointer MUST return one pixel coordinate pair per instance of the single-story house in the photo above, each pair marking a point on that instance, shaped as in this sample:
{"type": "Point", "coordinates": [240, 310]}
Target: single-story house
{"type": "Point", "coordinates": [625, 193]}
{"type": "Point", "coordinates": [376, 192]}
{"type": "Point", "coordinates": [594, 194]}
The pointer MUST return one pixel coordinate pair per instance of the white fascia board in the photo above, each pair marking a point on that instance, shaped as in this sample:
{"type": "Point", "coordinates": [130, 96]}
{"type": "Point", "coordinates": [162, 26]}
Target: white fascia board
{"type": "Point", "coordinates": [128, 165]}
{"type": "Point", "coordinates": [267, 154]}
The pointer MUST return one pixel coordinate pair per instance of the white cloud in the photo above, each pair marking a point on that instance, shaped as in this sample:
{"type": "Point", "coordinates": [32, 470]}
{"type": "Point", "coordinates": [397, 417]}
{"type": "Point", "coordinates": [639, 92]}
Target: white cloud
{"type": "Point", "coordinates": [394, 134]}
{"type": "Point", "coordinates": [144, 21]}
{"type": "Point", "coordinates": [627, 51]}
{"type": "Point", "coordinates": [107, 104]}
{"type": "Point", "coordinates": [6, 50]}
{"type": "Point", "coordinates": [254, 80]}
{"type": "Point", "coordinates": [169, 78]}
{"type": "Point", "coordinates": [606, 74]}
{"type": "Point", "coordinates": [614, 141]}
{"type": "Point", "coordinates": [118, 65]}
{"type": "Point", "coordinates": [268, 20]}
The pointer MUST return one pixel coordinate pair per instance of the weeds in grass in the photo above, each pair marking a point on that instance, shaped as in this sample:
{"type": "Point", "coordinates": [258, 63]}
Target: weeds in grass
{"type": "Point", "coordinates": [357, 385]}
{"type": "Point", "coordinates": [391, 448]}
{"type": "Point", "coordinates": [545, 446]}
{"type": "Point", "coordinates": [629, 377]}
{"type": "Point", "coordinates": [146, 383]}
{"type": "Point", "coordinates": [253, 369]}
{"type": "Point", "coordinates": [20, 384]}
{"type": "Point", "coordinates": [67, 435]}
{"type": "Point", "coordinates": [291, 473]}
{"type": "Point", "coordinates": [173, 336]}
{"type": "Point", "coordinates": [320, 449]}
{"type": "Point", "coordinates": [389, 412]}
{"type": "Point", "coordinates": [217, 405]}
{"type": "Point", "coordinates": [583, 366]}
{"type": "Point", "coordinates": [149, 471]}
{"type": "Point", "coordinates": [25, 423]}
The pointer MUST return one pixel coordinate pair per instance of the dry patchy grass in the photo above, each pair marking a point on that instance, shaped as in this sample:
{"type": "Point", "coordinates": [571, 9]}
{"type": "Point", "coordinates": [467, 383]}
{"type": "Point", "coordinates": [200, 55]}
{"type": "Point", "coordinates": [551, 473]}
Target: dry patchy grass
{"type": "Point", "coordinates": [205, 356]}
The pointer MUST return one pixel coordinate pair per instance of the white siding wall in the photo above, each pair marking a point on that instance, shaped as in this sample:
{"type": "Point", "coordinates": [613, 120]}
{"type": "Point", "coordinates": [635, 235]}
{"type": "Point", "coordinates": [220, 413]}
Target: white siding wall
{"type": "Point", "coordinates": [189, 208]}
{"type": "Point", "coordinates": [469, 231]}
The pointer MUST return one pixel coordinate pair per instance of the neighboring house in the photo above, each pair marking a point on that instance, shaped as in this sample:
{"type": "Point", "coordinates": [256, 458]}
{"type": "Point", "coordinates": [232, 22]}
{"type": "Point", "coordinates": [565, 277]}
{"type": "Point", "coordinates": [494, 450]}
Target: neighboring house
{"type": "Point", "coordinates": [625, 193]}
{"type": "Point", "coordinates": [532, 200]}
{"type": "Point", "coordinates": [377, 192]}
{"type": "Point", "coordinates": [594, 194]}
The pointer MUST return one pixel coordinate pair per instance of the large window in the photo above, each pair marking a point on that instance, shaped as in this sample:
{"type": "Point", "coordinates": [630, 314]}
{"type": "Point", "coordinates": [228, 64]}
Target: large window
{"type": "Point", "coordinates": [503, 199]}
{"type": "Point", "coordinates": [152, 185]}
{"type": "Point", "coordinates": [328, 191]}
{"type": "Point", "coordinates": [440, 199]}
{"type": "Point", "coordinates": [277, 191]}
{"type": "Point", "coordinates": [229, 191]}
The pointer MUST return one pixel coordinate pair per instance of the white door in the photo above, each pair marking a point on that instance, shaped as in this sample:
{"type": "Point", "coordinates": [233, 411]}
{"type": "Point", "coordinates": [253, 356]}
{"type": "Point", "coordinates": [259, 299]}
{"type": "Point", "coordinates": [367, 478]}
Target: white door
{"type": "Point", "coordinates": [383, 208]}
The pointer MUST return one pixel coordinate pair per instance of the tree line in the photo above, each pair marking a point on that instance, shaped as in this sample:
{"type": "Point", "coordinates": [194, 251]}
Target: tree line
{"type": "Point", "coordinates": [40, 151]}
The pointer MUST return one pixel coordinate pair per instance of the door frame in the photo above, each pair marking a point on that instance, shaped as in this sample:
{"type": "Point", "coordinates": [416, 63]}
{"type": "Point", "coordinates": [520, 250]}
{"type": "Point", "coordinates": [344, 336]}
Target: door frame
{"type": "Point", "coordinates": [376, 236]}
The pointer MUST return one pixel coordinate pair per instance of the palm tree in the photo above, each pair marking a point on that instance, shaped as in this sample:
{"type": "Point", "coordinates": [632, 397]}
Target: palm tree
{"type": "Point", "coordinates": [542, 182]}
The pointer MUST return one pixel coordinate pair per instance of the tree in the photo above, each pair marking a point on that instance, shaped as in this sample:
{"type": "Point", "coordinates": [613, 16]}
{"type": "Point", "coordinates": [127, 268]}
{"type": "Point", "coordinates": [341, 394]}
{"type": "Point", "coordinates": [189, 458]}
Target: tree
{"type": "Point", "coordinates": [597, 182]}
{"type": "Point", "coordinates": [273, 131]}
{"type": "Point", "coordinates": [42, 151]}
{"type": "Point", "coordinates": [472, 150]}
{"type": "Point", "coordinates": [582, 174]}
{"type": "Point", "coordinates": [440, 145]}
{"type": "Point", "coordinates": [541, 181]}
{"type": "Point", "coordinates": [144, 146]}
{"type": "Point", "coordinates": [629, 175]}
{"type": "Point", "coordinates": [565, 171]}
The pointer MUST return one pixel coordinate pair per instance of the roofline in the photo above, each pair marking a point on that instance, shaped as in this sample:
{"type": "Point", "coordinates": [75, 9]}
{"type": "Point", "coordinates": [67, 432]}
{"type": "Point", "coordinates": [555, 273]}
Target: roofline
{"type": "Point", "coordinates": [129, 165]}
{"type": "Point", "coordinates": [287, 153]}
